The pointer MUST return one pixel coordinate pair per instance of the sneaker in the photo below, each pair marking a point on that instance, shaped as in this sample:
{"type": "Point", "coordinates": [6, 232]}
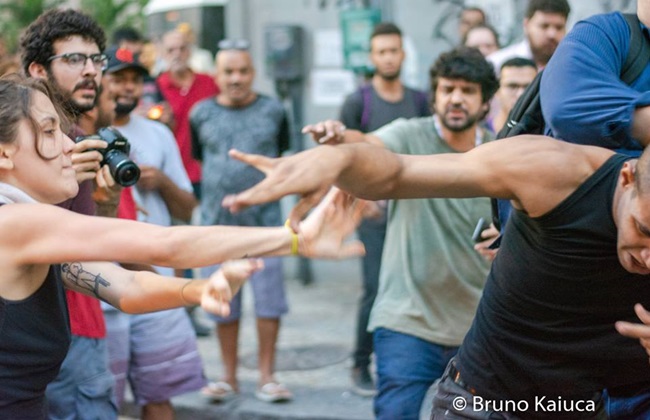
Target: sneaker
{"type": "Point", "coordinates": [362, 383]}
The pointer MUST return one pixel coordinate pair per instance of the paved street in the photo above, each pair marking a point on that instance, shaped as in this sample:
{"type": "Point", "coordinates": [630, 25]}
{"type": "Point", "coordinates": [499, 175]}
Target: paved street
{"type": "Point", "coordinates": [316, 340]}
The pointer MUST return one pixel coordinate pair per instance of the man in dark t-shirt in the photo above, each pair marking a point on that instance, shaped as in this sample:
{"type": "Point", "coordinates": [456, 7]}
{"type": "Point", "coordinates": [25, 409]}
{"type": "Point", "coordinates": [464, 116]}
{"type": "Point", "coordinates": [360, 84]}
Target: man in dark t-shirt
{"type": "Point", "coordinates": [556, 323]}
{"type": "Point", "coordinates": [372, 106]}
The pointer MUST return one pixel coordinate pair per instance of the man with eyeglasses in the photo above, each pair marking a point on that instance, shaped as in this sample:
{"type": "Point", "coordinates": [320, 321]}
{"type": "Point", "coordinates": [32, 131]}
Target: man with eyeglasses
{"type": "Point", "coordinates": [65, 48]}
{"type": "Point", "coordinates": [156, 352]}
{"type": "Point", "coordinates": [78, 61]}
{"type": "Point", "coordinates": [241, 118]}
{"type": "Point", "coordinates": [515, 76]}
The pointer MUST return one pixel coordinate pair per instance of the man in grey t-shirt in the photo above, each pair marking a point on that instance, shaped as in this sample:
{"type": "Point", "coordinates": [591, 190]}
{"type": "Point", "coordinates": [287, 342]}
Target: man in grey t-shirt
{"type": "Point", "coordinates": [241, 118]}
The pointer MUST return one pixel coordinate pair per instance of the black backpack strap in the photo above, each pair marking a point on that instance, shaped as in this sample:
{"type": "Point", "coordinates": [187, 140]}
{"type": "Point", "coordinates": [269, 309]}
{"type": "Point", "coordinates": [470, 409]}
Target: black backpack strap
{"type": "Point", "coordinates": [496, 221]}
{"type": "Point", "coordinates": [421, 100]}
{"type": "Point", "coordinates": [638, 53]}
{"type": "Point", "coordinates": [525, 117]}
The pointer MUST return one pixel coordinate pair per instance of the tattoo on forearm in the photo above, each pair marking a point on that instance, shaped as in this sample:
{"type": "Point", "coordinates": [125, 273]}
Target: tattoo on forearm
{"type": "Point", "coordinates": [75, 275]}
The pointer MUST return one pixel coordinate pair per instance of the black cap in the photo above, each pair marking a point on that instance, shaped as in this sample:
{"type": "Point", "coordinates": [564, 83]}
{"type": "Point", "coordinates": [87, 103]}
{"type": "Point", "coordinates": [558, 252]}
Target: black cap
{"type": "Point", "coordinates": [121, 58]}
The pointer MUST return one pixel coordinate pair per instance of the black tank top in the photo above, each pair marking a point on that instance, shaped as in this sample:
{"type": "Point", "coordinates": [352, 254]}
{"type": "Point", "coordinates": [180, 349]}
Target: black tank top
{"type": "Point", "coordinates": [545, 323]}
{"type": "Point", "coordinates": [34, 340]}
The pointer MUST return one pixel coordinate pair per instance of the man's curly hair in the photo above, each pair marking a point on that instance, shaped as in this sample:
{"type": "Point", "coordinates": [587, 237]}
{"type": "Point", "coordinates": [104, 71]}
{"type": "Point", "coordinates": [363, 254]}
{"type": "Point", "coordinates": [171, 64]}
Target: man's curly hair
{"type": "Point", "coordinates": [468, 64]}
{"type": "Point", "coordinates": [37, 42]}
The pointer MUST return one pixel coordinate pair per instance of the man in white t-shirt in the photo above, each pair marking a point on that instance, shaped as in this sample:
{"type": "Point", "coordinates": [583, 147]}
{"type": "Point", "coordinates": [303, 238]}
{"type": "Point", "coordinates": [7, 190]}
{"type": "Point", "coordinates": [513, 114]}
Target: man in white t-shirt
{"type": "Point", "coordinates": [156, 352]}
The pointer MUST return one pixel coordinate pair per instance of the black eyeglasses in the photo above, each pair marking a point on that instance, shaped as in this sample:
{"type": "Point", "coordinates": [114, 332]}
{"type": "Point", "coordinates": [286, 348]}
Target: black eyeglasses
{"type": "Point", "coordinates": [234, 44]}
{"type": "Point", "coordinates": [77, 61]}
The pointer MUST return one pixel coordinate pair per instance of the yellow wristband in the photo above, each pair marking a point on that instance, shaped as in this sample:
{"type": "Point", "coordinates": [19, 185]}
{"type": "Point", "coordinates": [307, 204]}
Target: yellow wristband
{"type": "Point", "coordinates": [294, 238]}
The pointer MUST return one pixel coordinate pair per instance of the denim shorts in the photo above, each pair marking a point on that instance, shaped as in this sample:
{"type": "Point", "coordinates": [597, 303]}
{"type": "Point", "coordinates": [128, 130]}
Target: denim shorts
{"type": "Point", "coordinates": [84, 387]}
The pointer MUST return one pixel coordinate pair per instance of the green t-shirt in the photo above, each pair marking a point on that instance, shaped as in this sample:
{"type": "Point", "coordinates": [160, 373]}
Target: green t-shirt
{"type": "Point", "coordinates": [431, 278]}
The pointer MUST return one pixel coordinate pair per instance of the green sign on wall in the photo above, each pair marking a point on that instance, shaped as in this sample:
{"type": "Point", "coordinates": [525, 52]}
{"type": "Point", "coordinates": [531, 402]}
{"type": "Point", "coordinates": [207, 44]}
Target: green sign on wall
{"type": "Point", "coordinates": [357, 26]}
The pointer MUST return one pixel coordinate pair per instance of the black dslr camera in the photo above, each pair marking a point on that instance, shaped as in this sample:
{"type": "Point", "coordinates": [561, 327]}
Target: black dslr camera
{"type": "Point", "coordinates": [116, 156]}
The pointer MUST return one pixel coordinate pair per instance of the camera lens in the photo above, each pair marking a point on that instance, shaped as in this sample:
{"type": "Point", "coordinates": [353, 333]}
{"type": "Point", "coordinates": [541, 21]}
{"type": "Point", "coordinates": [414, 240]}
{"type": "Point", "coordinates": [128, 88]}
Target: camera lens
{"type": "Point", "coordinates": [124, 171]}
{"type": "Point", "coordinates": [127, 174]}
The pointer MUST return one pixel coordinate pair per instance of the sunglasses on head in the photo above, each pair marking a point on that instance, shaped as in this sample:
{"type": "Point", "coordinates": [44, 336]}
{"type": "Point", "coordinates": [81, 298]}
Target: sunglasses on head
{"type": "Point", "coordinates": [234, 44]}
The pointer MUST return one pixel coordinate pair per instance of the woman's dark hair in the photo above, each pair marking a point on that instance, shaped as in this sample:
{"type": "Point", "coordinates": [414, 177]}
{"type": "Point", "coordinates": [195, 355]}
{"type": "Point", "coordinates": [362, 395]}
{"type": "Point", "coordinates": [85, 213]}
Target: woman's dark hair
{"type": "Point", "coordinates": [468, 64]}
{"type": "Point", "coordinates": [37, 42]}
{"type": "Point", "coordinates": [16, 99]}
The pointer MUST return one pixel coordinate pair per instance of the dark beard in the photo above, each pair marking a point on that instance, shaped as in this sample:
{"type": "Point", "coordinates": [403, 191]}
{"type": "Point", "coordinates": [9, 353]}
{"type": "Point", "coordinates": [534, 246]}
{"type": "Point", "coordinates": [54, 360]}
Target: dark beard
{"type": "Point", "coordinates": [122, 110]}
{"type": "Point", "coordinates": [103, 119]}
{"type": "Point", "coordinates": [389, 77]}
{"type": "Point", "coordinates": [70, 106]}
{"type": "Point", "coordinates": [471, 120]}
{"type": "Point", "coordinates": [541, 55]}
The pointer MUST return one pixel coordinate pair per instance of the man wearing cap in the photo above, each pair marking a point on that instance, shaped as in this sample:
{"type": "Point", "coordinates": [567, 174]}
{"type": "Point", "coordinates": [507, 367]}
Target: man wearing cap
{"type": "Point", "coordinates": [241, 118]}
{"type": "Point", "coordinates": [156, 352]}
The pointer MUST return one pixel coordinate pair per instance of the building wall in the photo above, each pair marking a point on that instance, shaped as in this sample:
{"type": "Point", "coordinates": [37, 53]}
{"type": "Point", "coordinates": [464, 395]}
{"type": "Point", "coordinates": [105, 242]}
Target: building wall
{"type": "Point", "coordinates": [430, 26]}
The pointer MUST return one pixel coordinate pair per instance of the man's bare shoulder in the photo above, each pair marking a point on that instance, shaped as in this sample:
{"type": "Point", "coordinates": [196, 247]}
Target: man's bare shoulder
{"type": "Point", "coordinates": [541, 171]}
{"type": "Point", "coordinates": [544, 150]}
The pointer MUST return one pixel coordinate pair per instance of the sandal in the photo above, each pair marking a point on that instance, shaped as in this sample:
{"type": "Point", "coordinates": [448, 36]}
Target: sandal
{"type": "Point", "coordinates": [219, 391]}
{"type": "Point", "coordinates": [273, 392]}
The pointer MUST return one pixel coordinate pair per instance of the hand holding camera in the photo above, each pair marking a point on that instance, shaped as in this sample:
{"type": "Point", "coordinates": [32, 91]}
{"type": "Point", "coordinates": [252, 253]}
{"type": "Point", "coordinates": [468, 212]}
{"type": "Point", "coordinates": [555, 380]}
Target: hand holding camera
{"type": "Point", "coordinates": [86, 158]}
{"type": "Point", "coordinates": [108, 148]}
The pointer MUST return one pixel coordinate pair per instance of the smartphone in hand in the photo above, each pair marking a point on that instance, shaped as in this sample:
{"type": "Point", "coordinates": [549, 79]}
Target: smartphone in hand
{"type": "Point", "coordinates": [480, 227]}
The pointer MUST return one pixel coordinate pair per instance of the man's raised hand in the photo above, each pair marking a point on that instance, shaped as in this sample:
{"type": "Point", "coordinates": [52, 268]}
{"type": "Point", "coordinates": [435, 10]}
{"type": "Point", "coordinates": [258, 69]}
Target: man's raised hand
{"type": "Point", "coordinates": [309, 174]}
{"type": "Point", "coordinates": [326, 132]}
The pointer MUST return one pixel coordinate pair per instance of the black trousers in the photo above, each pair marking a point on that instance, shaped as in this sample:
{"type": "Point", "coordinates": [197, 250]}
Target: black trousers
{"type": "Point", "coordinates": [372, 233]}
